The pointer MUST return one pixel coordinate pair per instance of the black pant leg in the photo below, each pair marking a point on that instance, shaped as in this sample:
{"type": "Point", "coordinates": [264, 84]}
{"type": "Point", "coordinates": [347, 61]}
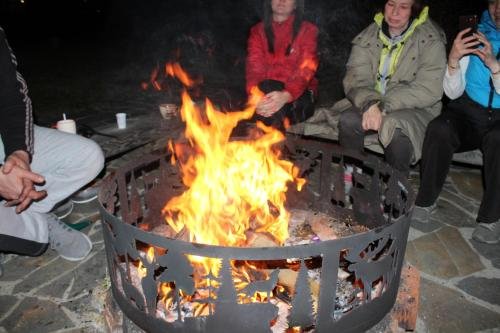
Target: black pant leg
{"type": "Point", "coordinates": [489, 211]}
{"type": "Point", "coordinates": [399, 152]}
{"type": "Point", "coordinates": [302, 108]}
{"type": "Point", "coordinates": [441, 141]}
{"type": "Point", "coordinates": [351, 133]}
{"type": "Point", "coordinates": [455, 130]}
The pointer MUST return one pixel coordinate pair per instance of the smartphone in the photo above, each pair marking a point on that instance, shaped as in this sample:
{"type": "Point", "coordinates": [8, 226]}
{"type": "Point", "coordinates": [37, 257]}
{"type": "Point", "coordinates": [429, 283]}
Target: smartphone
{"type": "Point", "coordinates": [468, 21]}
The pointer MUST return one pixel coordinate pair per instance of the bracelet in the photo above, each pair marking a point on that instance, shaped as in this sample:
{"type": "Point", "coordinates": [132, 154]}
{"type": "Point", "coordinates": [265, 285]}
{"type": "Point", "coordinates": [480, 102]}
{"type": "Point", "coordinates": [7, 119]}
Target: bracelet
{"type": "Point", "coordinates": [453, 67]}
{"type": "Point", "coordinates": [497, 72]}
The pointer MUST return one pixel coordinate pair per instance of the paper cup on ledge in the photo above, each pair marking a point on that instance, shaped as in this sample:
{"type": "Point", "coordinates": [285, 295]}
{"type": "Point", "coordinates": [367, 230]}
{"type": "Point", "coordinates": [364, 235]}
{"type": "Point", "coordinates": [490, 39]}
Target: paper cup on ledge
{"type": "Point", "coordinates": [121, 120]}
{"type": "Point", "coordinates": [168, 110]}
{"type": "Point", "coordinates": [67, 125]}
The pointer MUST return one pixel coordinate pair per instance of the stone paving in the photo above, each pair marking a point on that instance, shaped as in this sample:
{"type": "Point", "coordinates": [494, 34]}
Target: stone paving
{"type": "Point", "coordinates": [460, 278]}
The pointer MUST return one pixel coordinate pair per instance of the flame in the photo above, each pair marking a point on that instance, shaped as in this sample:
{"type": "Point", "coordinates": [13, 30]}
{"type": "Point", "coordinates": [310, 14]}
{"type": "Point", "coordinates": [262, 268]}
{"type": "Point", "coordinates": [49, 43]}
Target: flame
{"type": "Point", "coordinates": [233, 186]}
{"type": "Point", "coordinates": [175, 70]}
{"type": "Point", "coordinates": [150, 255]}
{"type": "Point", "coordinates": [308, 68]}
{"type": "Point", "coordinates": [310, 64]}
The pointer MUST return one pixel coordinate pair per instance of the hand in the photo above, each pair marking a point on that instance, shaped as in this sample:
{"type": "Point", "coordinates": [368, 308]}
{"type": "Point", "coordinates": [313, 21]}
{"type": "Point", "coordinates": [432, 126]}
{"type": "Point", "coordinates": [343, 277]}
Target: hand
{"type": "Point", "coordinates": [272, 103]}
{"type": "Point", "coordinates": [462, 46]}
{"type": "Point", "coordinates": [13, 184]}
{"type": "Point", "coordinates": [18, 184]}
{"type": "Point", "coordinates": [372, 118]}
{"type": "Point", "coordinates": [486, 53]}
{"type": "Point", "coordinates": [26, 197]}
{"type": "Point", "coordinates": [18, 158]}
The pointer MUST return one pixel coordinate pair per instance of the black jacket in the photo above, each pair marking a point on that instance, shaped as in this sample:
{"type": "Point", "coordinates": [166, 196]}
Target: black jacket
{"type": "Point", "coordinates": [16, 118]}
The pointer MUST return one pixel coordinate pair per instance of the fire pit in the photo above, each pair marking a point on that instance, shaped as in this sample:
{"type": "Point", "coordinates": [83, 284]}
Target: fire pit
{"type": "Point", "coordinates": [345, 284]}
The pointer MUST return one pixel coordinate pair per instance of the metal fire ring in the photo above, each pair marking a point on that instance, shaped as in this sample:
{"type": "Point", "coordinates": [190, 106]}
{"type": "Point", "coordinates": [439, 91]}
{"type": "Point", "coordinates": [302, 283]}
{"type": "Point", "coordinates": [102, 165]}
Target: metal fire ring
{"type": "Point", "coordinates": [380, 198]}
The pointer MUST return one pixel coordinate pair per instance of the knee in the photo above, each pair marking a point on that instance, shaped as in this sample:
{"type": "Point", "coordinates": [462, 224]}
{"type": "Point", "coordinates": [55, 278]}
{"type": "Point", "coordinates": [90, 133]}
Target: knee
{"type": "Point", "coordinates": [92, 159]}
{"type": "Point", "coordinates": [349, 121]}
{"type": "Point", "coordinates": [400, 142]}
{"type": "Point", "coordinates": [440, 130]}
{"type": "Point", "coordinates": [492, 138]}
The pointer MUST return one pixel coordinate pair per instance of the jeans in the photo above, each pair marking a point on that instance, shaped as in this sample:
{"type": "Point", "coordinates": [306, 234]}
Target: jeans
{"type": "Point", "coordinates": [398, 153]}
{"type": "Point", "coordinates": [464, 125]}
{"type": "Point", "coordinates": [68, 162]}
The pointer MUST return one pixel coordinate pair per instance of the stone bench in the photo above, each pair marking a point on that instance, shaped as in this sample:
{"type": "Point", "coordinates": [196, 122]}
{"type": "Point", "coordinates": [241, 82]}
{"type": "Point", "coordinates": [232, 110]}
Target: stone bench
{"type": "Point", "coordinates": [324, 124]}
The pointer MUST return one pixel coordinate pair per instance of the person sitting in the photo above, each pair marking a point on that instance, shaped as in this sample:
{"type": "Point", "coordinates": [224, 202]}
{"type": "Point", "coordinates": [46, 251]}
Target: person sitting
{"type": "Point", "coordinates": [282, 61]}
{"type": "Point", "coordinates": [471, 120]}
{"type": "Point", "coordinates": [393, 82]}
{"type": "Point", "coordinates": [39, 167]}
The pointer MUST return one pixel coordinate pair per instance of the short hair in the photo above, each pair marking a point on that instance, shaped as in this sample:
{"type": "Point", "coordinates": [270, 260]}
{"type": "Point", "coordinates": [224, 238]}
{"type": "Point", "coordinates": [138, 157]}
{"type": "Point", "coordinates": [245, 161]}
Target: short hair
{"type": "Point", "coordinates": [416, 7]}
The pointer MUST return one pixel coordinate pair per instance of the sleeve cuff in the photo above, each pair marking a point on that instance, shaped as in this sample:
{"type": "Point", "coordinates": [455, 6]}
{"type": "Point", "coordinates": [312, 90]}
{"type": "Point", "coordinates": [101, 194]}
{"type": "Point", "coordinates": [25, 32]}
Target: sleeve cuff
{"type": "Point", "coordinates": [369, 104]}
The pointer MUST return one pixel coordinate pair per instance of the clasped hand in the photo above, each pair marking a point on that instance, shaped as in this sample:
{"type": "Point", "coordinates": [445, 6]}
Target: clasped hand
{"type": "Point", "coordinates": [272, 103]}
{"type": "Point", "coordinates": [17, 182]}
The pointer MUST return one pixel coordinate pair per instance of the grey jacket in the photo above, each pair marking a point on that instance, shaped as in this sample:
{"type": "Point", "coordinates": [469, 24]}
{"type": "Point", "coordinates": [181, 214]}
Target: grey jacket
{"type": "Point", "coordinates": [413, 94]}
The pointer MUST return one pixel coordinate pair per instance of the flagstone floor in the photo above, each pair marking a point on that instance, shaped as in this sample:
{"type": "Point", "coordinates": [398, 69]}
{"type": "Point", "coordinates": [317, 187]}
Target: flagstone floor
{"type": "Point", "coordinates": [459, 287]}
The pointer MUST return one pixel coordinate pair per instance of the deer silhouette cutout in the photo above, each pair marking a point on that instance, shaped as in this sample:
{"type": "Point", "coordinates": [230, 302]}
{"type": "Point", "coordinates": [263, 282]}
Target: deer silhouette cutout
{"type": "Point", "coordinates": [369, 270]}
{"type": "Point", "coordinates": [262, 285]}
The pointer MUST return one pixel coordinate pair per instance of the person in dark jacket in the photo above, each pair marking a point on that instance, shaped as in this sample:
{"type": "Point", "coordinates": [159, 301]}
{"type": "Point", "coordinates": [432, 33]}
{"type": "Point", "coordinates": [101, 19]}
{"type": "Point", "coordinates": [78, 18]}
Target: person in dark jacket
{"type": "Point", "coordinates": [282, 61]}
{"type": "Point", "coordinates": [39, 167]}
{"type": "Point", "coordinates": [471, 120]}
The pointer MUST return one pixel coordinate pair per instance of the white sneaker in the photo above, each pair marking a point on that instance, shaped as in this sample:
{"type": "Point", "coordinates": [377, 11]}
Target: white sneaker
{"type": "Point", "coordinates": [423, 214]}
{"type": "Point", "coordinates": [71, 245]}
{"type": "Point", "coordinates": [488, 233]}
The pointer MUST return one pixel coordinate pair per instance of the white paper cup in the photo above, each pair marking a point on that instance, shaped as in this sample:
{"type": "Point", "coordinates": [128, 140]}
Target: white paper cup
{"type": "Point", "coordinates": [121, 120]}
{"type": "Point", "coordinates": [67, 125]}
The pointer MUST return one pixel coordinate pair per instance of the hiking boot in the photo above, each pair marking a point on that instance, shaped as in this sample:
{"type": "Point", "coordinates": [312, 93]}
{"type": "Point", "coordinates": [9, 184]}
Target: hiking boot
{"type": "Point", "coordinates": [488, 233]}
{"type": "Point", "coordinates": [423, 214]}
{"type": "Point", "coordinates": [71, 245]}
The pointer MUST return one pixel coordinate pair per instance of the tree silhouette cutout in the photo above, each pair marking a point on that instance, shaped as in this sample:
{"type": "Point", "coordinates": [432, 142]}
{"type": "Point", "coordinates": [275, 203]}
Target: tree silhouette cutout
{"type": "Point", "coordinates": [302, 310]}
{"type": "Point", "coordinates": [179, 271]}
{"type": "Point", "coordinates": [210, 277]}
{"type": "Point", "coordinates": [227, 291]}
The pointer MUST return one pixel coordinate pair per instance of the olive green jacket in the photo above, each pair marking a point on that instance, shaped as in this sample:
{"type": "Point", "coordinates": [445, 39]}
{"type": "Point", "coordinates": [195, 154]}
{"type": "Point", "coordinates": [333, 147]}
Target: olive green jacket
{"type": "Point", "coordinates": [413, 94]}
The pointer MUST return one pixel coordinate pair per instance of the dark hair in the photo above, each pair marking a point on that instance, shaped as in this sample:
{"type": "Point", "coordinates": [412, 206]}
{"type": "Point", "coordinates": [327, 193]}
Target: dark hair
{"type": "Point", "coordinates": [268, 23]}
{"type": "Point", "coordinates": [416, 8]}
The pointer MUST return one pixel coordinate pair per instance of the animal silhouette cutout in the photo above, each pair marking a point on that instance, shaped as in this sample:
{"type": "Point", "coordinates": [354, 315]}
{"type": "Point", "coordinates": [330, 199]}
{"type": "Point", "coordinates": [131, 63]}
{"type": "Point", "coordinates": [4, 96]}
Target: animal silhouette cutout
{"type": "Point", "coordinates": [265, 286]}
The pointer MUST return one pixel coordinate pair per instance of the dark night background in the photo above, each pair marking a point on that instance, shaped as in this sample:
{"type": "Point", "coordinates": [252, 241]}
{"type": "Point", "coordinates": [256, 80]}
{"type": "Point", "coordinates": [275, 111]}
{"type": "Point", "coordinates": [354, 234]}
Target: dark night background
{"type": "Point", "coordinates": [88, 58]}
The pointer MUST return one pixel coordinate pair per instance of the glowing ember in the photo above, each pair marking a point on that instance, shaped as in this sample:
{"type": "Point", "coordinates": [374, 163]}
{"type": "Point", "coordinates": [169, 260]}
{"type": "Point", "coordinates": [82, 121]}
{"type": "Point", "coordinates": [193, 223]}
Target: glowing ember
{"type": "Point", "coordinates": [233, 186]}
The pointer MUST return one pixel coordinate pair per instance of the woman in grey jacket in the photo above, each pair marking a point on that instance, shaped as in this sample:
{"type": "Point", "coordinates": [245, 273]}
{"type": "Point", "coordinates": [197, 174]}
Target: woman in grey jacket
{"type": "Point", "coordinates": [394, 82]}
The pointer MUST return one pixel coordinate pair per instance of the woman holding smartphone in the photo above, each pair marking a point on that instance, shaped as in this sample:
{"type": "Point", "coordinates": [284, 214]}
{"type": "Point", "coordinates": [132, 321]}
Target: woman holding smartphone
{"type": "Point", "coordinates": [470, 121]}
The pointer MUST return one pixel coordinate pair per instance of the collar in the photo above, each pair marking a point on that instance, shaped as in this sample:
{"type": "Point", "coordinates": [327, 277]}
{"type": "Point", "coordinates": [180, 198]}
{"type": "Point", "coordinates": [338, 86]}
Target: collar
{"type": "Point", "coordinates": [379, 20]}
{"type": "Point", "coordinates": [424, 14]}
{"type": "Point", "coordinates": [285, 23]}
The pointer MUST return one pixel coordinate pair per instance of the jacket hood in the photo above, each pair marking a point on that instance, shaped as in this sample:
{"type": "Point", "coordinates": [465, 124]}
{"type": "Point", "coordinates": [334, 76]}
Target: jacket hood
{"type": "Point", "coordinates": [486, 23]}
